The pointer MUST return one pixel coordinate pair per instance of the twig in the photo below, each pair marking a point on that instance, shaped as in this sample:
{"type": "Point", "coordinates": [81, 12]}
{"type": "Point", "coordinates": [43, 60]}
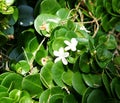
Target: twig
{"type": "Point", "coordinates": [96, 26]}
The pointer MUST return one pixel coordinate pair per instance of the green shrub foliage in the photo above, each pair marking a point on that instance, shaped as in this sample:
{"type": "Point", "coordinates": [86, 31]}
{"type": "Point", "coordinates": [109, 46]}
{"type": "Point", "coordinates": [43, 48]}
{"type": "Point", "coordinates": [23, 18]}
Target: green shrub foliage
{"type": "Point", "coordinates": [59, 51]}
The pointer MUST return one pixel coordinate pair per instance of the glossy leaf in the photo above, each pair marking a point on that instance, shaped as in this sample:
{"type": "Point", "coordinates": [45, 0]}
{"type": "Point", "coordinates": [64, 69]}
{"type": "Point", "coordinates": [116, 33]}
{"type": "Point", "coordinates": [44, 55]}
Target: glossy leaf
{"type": "Point", "coordinates": [31, 43]}
{"type": "Point", "coordinates": [86, 94]}
{"type": "Point", "coordinates": [49, 6]}
{"type": "Point", "coordinates": [67, 77]}
{"type": "Point", "coordinates": [6, 100]}
{"type": "Point", "coordinates": [78, 83]}
{"type": "Point", "coordinates": [12, 81]}
{"type": "Point", "coordinates": [69, 99]}
{"type": "Point", "coordinates": [62, 13]}
{"type": "Point", "coordinates": [15, 94]}
{"type": "Point", "coordinates": [115, 86]}
{"type": "Point", "coordinates": [84, 63]}
{"type": "Point", "coordinates": [57, 43]}
{"type": "Point", "coordinates": [46, 75]}
{"type": "Point", "coordinates": [3, 89]}
{"type": "Point", "coordinates": [22, 67]}
{"type": "Point", "coordinates": [96, 96]}
{"type": "Point", "coordinates": [43, 20]}
{"type": "Point", "coordinates": [116, 6]}
{"type": "Point", "coordinates": [57, 71]}
{"type": "Point", "coordinates": [92, 80]}
{"type": "Point", "coordinates": [26, 99]}
{"type": "Point", "coordinates": [51, 93]}
{"type": "Point", "coordinates": [32, 84]}
{"type": "Point", "coordinates": [106, 83]}
{"type": "Point", "coordinates": [3, 75]}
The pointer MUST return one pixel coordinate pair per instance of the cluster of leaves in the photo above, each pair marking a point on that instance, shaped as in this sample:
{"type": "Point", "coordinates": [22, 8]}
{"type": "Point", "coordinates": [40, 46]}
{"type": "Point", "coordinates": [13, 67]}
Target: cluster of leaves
{"type": "Point", "coordinates": [69, 53]}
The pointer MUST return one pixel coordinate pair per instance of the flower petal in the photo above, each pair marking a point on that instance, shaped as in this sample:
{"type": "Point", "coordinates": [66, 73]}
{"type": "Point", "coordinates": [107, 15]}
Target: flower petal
{"type": "Point", "coordinates": [64, 61]}
{"type": "Point", "coordinates": [74, 41]}
{"type": "Point", "coordinates": [73, 48]}
{"type": "Point", "coordinates": [57, 59]}
{"type": "Point", "coordinates": [67, 42]}
{"type": "Point", "coordinates": [66, 54]}
{"type": "Point", "coordinates": [61, 50]}
{"type": "Point", "coordinates": [56, 53]}
{"type": "Point", "coordinates": [67, 48]}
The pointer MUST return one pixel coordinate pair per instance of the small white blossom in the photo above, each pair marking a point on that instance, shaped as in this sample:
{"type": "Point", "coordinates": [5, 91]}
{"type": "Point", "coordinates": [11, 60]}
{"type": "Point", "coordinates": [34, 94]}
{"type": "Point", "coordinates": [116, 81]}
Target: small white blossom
{"type": "Point", "coordinates": [83, 28]}
{"type": "Point", "coordinates": [61, 55]}
{"type": "Point", "coordinates": [71, 45]}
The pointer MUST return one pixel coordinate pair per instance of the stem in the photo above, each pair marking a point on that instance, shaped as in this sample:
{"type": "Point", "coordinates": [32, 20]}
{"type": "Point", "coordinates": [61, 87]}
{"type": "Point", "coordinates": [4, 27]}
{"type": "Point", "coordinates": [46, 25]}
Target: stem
{"type": "Point", "coordinates": [96, 27]}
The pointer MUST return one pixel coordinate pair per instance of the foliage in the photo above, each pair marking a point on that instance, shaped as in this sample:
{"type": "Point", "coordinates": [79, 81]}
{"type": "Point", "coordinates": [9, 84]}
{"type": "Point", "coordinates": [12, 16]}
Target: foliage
{"type": "Point", "coordinates": [61, 51]}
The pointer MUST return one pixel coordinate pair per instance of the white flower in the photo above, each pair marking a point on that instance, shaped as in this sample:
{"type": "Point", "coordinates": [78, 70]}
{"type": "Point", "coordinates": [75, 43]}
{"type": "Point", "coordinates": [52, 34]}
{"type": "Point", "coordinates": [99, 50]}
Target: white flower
{"type": "Point", "coordinates": [61, 55]}
{"type": "Point", "coordinates": [71, 45]}
{"type": "Point", "coordinates": [83, 28]}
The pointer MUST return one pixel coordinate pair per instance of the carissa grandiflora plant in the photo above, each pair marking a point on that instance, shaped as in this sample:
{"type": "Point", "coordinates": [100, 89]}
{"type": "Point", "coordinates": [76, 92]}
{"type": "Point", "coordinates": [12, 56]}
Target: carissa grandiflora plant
{"type": "Point", "coordinates": [60, 51]}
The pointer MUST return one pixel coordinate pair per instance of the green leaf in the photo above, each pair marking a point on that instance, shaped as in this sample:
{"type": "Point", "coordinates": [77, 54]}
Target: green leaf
{"type": "Point", "coordinates": [105, 22]}
{"type": "Point", "coordinates": [15, 94]}
{"type": "Point", "coordinates": [59, 31]}
{"type": "Point", "coordinates": [4, 94]}
{"type": "Point", "coordinates": [42, 53]}
{"type": "Point", "coordinates": [12, 81]}
{"type": "Point", "coordinates": [103, 56]}
{"type": "Point", "coordinates": [10, 10]}
{"type": "Point", "coordinates": [96, 96]}
{"type": "Point", "coordinates": [57, 71]}
{"type": "Point", "coordinates": [115, 84]}
{"type": "Point", "coordinates": [117, 27]}
{"type": "Point", "coordinates": [32, 84]}
{"type": "Point", "coordinates": [57, 98]}
{"type": "Point", "coordinates": [70, 34]}
{"type": "Point", "coordinates": [62, 13]}
{"type": "Point", "coordinates": [58, 42]}
{"type": "Point", "coordinates": [14, 17]}
{"type": "Point", "coordinates": [111, 42]}
{"type": "Point", "coordinates": [99, 11]}
{"type": "Point", "coordinates": [69, 99]}
{"type": "Point", "coordinates": [116, 60]}
{"type": "Point", "coordinates": [22, 67]}
{"type": "Point", "coordinates": [106, 83]}
{"type": "Point", "coordinates": [49, 6]}
{"type": "Point", "coordinates": [92, 80]}
{"type": "Point", "coordinates": [86, 94]}
{"type": "Point", "coordinates": [67, 77]}
{"type": "Point", "coordinates": [46, 75]}
{"type": "Point", "coordinates": [45, 23]}
{"type": "Point", "coordinates": [6, 100]}
{"type": "Point", "coordinates": [25, 99]}
{"type": "Point", "coordinates": [3, 88]}
{"type": "Point", "coordinates": [32, 42]}
{"type": "Point", "coordinates": [84, 63]}
{"type": "Point", "coordinates": [78, 83]}
{"type": "Point", "coordinates": [53, 94]}
{"type": "Point", "coordinates": [116, 6]}
{"type": "Point", "coordinates": [3, 75]}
